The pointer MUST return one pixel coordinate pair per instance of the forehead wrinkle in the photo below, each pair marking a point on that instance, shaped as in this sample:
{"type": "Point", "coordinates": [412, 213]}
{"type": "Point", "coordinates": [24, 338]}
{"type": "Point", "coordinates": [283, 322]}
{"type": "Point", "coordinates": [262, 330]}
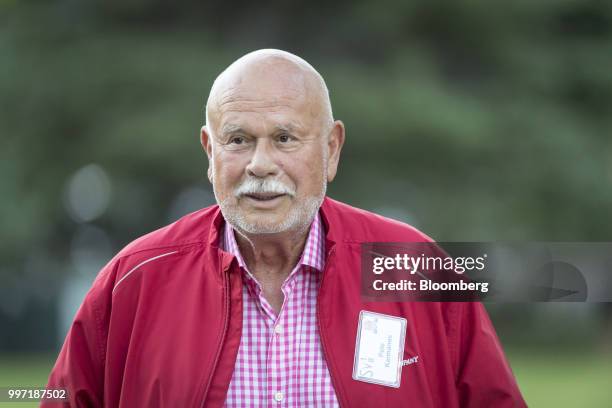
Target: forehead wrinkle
{"type": "Point", "coordinates": [276, 79]}
{"type": "Point", "coordinates": [236, 95]}
{"type": "Point", "coordinates": [255, 106]}
{"type": "Point", "coordinates": [232, 111]}
{"type": "Point", "coordinates": [290, 127]}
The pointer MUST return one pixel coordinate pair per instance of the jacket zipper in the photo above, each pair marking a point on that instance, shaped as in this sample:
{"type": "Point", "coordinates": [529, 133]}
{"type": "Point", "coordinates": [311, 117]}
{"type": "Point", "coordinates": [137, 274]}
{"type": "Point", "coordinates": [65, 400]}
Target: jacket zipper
{"type": "Point", "coordinates": [220, 347]}
{"type": "Point", "coordinates": [335, 381]}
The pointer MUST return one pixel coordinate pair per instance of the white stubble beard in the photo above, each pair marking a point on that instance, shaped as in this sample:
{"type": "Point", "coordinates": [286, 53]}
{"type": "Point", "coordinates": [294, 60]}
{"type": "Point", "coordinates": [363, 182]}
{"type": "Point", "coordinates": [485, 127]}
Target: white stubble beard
{"type": "Point", "coordinates": [298, 220]}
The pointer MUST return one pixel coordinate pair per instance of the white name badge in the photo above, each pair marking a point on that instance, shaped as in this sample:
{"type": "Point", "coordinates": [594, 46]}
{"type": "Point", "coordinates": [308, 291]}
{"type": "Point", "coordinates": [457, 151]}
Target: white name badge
{"type": "Point", "coordinates": [379, 349]}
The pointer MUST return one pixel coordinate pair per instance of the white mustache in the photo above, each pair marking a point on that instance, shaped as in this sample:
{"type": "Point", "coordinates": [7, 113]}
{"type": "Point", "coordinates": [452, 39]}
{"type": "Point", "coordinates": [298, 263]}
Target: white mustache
{"type": "Point", "coordinates": [263, 186]}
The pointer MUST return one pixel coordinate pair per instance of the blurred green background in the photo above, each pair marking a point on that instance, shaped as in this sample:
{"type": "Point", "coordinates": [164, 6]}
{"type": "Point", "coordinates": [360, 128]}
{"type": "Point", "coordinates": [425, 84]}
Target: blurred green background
{"type": "Point", "coordinates": [472, 120]}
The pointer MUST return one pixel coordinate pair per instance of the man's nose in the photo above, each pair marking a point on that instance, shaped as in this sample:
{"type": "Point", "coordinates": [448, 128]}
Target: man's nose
{"type": "Point", "coordinates": [262, 162]}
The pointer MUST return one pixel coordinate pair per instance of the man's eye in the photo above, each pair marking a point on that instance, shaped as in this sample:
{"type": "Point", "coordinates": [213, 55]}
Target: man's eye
{"type": "Point", "coordinates": [236, 140]}
{"type": "Point", "coordinates": [284, 138]}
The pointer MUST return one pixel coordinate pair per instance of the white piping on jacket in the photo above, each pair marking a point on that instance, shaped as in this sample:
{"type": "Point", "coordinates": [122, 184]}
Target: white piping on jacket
{"type": "Point", "coordinates": [139, 265]}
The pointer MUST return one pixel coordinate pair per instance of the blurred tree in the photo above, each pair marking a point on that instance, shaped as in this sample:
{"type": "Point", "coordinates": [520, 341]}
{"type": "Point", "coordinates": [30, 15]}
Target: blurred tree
{"type": "Point", "coordinates": [472, 121]}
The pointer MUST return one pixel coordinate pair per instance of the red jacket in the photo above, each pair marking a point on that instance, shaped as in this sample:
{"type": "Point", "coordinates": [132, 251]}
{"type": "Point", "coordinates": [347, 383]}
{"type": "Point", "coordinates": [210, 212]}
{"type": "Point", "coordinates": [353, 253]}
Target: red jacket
{"type": "Point", "coordinates": [161, 325]}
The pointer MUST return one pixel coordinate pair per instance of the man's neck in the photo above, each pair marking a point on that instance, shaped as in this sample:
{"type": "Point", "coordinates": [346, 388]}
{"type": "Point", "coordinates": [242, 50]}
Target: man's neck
{"type": "Point", "coordinates": [271, 256]}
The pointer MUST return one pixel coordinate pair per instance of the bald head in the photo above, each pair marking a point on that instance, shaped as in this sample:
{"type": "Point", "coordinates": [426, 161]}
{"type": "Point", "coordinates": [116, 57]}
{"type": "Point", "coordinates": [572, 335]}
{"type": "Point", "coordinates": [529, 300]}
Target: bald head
{"type": "Point", "coordinates": [267, 79]}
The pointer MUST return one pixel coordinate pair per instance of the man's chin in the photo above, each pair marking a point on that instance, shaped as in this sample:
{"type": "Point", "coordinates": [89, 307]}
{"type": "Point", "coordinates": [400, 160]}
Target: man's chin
{"type": "Point", "coordinates": [264, 224]}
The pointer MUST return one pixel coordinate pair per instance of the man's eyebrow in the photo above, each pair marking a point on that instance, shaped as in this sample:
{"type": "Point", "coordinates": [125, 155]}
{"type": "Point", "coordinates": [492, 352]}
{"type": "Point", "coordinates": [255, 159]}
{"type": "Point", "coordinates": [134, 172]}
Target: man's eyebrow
{"type": "Point", "coordinates": [230, 128]}
{"type": "Point", "coordinates": [291, 127]}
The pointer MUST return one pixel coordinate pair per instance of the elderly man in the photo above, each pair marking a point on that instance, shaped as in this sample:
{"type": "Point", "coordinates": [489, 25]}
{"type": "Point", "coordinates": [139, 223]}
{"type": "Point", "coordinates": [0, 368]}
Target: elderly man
{"type": "Point", "coordinates": [256, 301]}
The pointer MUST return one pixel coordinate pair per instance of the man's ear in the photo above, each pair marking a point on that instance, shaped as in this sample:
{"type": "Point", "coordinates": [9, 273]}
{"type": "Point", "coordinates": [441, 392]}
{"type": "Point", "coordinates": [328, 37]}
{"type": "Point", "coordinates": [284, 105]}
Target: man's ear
{"type": "Point", "coordinates": [206, 142]}
{"type": "Point", "coordinates": [335, 143]}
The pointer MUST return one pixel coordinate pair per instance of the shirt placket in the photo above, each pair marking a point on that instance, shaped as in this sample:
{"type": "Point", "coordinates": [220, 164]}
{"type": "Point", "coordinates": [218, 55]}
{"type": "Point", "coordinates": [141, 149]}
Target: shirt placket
{"type": "Point", "coordinates": [279, 384]}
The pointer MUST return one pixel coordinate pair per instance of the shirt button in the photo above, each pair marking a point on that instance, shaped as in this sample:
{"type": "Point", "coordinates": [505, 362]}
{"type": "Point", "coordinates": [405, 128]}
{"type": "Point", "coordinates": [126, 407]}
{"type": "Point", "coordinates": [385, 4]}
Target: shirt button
{"type": "Point", "coordinates": [278, 329]}
{"type": "Point", "coordinates": [278, 396]}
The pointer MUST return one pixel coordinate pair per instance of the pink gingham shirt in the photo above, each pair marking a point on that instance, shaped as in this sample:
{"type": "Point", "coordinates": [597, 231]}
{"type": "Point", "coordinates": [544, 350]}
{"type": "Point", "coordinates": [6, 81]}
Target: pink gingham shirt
{"type": "Point", "coordinates": [280, 361]}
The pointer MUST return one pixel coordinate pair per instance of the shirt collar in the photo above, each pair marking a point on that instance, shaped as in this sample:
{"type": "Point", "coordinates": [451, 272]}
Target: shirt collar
{"type": "Point", "coordinates": [314, 249]}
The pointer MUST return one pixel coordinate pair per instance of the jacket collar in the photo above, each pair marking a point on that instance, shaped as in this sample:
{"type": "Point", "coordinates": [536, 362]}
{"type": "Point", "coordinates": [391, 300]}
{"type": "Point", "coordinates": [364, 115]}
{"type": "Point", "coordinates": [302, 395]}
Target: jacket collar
{"type": "Point", "coordinates": [330, 222]}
